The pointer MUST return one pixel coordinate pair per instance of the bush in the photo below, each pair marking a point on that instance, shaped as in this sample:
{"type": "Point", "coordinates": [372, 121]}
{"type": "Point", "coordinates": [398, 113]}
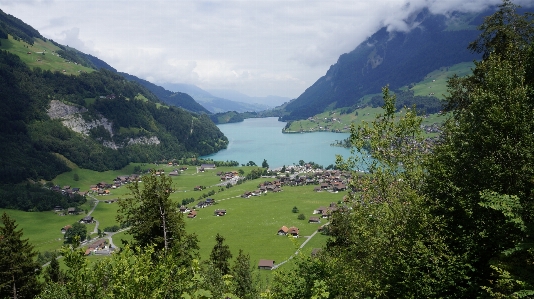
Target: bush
{"type": "Point", "coordinates": [301, 217]}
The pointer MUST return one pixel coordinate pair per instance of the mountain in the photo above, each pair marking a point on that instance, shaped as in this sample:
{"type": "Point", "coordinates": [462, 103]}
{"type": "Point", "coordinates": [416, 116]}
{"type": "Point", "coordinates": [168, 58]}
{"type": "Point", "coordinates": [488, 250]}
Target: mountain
{"type": "Point", "coordinates": [59, 107]}
{"type": "Point", "coordinates": [270, 101]}
{"type": "Point", "coordinates": [213, 103]}
{"type": "Point", "coordinates": [394, 58]}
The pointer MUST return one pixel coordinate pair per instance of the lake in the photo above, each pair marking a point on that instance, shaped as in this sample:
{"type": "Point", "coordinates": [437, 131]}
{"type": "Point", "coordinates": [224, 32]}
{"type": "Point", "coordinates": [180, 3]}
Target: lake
{"type": "Point", "coordinates": [256, 139]}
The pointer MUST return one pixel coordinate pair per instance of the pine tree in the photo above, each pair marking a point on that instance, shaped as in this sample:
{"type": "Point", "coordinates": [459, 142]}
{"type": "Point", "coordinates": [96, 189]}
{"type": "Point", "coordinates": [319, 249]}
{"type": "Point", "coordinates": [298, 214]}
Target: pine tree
{"type": "Point", "coordinates": [18, 268]}
{"type": "Point", "coordinates": [53, 273]}
{"type": "Point", "coordinates": [220, 255]}
{"type": "Point", "coordinates": [243, 279]}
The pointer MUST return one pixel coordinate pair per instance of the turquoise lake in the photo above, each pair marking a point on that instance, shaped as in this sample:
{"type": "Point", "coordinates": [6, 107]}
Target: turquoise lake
{"type": "Point", "coordinates": [256, 139]}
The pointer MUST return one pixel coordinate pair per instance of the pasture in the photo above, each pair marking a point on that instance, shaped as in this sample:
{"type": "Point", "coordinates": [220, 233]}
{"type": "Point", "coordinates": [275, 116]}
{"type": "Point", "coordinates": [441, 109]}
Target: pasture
{"type": "Point", "coordinates": [250, 224]}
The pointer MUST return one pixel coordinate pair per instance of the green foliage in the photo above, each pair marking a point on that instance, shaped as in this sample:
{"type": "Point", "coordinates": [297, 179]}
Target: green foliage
{"type": "Point", "coordinates": [35, 197]}
{"type": "Point", "coordinates": [480, 176]}
{"type": "Point", "coordinates": [264, 164]}
{"type": "Point", "coordinates": [295, 210]}
{"type": "Point", "coordinates": [242, 272]}
{"type": "Point", "coordinates": [18, 270]}
{"type": "Point", "coordinates": [154, 219]}
{"type": "Point", "coordinates": [220, 255]}
{"type": "Point", "coordinates": [301, 217]}
{"type": "Point", "coordinates": [76, 233]}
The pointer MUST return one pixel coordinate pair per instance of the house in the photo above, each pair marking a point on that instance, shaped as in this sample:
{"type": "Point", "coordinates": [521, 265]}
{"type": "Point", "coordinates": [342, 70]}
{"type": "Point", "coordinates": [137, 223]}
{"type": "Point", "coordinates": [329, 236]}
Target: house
{"type": "Point", "coordinates": [71, 211]}
{"type": "Point", "coordinates": [314, 220]}
{"type": "Point", "coordinates": [209, 201]}
{"type": "Point", "coordinates": [319, 210]}
{"type": "Point", "coordinates": [266, 264]}
{"type": "Point", "coordinates": [207, 166]}
{"type": "Point", "coordinates": [184, 209]}
{"type": "Point", "coordinates": [87, 219]}
{"type": "Point", "coordinates": [201, 204]}
{"type": "Point", "coordinates": [65, 228]}
{"type": "Point", "coordinates": [219, 212]}
{"type": "Point", "coordinates": [283, 231]}
{"type": "Point", "coordinates": [192, 214]}
{"type": "Point", "coordinates": [294, 231]}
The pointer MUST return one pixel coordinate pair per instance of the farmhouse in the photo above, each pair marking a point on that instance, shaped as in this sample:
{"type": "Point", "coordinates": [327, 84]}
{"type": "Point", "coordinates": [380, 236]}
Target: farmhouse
{"type": "Point", "coordinates": [87, 219]}
{"type": "Point", "coordinates": [65, 228]}
{"type": "Point", "coordinates": [283, 231]}
{"type": "Point", "coordinates": [192, 214]}
{"type": "Point", "coordinates": [294, 231]}
{"type": "Point", "coordinates": [207, 166]}
{"type": "Point", "coordinates": [314, 220]}
{"type": "Point", "coordinates": [219, 212]}
{"type": "Point", "coordinates": [265, 264]}
{"type": "Point", "coordinates": [71, 211]}
{"type": "Point", "coordinates": [184, 209]}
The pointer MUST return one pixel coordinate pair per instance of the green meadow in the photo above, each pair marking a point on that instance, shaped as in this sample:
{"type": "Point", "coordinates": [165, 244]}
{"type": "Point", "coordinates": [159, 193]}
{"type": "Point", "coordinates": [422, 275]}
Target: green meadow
{"type": "Point", "coordinates": [42, 54]}
{"type": "Point", "coordinates": [250, 224]}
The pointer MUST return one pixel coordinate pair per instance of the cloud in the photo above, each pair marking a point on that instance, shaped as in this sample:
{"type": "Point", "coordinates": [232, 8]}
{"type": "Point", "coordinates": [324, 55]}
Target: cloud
{"type": "Point", "coordinates": [258, 47]}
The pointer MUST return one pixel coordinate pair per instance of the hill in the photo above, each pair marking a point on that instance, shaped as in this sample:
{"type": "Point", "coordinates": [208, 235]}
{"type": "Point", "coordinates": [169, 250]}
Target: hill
{"type": "Point", "coordinates": [213, 103]}
{"type": "Point", "coordinates": [395, 58]}
{"type": "Point", "coordinates": [57, 109]}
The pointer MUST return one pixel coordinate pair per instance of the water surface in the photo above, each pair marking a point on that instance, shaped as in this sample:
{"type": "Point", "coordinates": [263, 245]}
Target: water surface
{"type": "Point", "coordinates": [256, 139]}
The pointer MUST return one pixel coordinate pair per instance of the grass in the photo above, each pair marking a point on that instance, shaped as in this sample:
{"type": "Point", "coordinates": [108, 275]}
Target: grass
{"type": "Point", "coordinates": [43, 229]}
{"type": "Point", "coordinates": [436, 81]}
{"type": "Point", "coordinates": [43, 55]}
{"type": "Point", "coordinates": [250, 224]}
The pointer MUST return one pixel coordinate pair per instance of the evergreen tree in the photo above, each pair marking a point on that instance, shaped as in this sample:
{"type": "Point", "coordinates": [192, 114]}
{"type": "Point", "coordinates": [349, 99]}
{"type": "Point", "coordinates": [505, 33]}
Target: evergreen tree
{"type": "Point", "coordinates": [220, 255]}
{"type": "Point", "coordinates": [242, 272]}
{"type": "Point", "coordinates": [18, 268]}
{"type": "Point", "coordinates": [53, 273]}
{"type": "Point", "coordinates": [264, 164]}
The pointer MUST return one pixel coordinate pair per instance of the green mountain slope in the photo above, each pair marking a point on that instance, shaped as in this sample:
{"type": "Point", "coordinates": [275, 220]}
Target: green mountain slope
{"type": "Point", "coordinates": [398, 59]}
{"type": "Point", "coordinates": [52, 108]}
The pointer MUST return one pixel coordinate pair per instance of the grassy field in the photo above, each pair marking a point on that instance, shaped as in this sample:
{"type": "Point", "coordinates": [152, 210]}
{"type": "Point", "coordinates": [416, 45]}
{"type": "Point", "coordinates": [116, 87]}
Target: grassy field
{"type": "Point", "coordinates": [436, 81]}
{"type": "Point", "coordinates": [42, 54]}
{"type": "Point", "coordinates": [250, 224]}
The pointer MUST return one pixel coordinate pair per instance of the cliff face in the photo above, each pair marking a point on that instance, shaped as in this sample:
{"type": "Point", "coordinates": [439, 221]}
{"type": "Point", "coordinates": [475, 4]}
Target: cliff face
{"type": "Point", "coordinates": [71, 116]}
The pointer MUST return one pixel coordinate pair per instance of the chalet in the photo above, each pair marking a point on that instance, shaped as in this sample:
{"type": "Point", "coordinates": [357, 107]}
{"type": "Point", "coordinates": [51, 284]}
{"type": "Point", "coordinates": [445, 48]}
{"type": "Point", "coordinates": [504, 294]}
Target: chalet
{"type": "Point", "coordinates": [314, 220]}
{"type": "Point", "coordinates": [219, 212]}
{"type": "Point", "coordinates": [183, 168]}
{"type": "Point", "coordinates": [266, 264]}
{"type": "Point", "coordinates": [209, 201]}
{"type": "Point", "coordinates": [76, 189]}
{"type": "Point", "coordinates": [294, 231]}
{"type": "Point", "coordinates": [71, 211]}
{"type": "Point", "coordinates": [207, 166]}
{"type": "Point", "coordinates": [110, 200]}
{"type": "Point", "coordinates": [192, 214]}
{"type": "Point", "coordinates": [57, 208]}
{"type": "Point", "coordinates": [65, 228]}
{"type": "Point", "coordinates": [247, 195]}
{"type": "Point", "coordinates": [87, 219]}
{"type": "Point", "coordinates": [184, 209]}
{"type": "Point", "coordinates": [340, 187]}
{"type": "Point", "coordinates": [317, 189]}
{"type": "Point", "coordinates": [66, 187]}
{"type": "Point", "coordinates": [283, 231]}
{"type": "Point", "coordinates": [174, 173]}
{"type": "Point", "coordinates": [320, 210]}
{"type": "Point", "coordinates": [201, 204]}
{"type": "Point", "coordinates": [198, 188]}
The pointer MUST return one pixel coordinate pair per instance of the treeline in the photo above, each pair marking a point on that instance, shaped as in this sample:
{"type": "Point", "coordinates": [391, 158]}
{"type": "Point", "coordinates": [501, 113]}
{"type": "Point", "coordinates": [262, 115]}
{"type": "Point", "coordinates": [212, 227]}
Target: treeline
{"type": "Point", "coordinates": [423, 104]}
{"type": "Point", "coordinates": [18, 29]}
{"type": "Point", "coordinates": [36, 197]}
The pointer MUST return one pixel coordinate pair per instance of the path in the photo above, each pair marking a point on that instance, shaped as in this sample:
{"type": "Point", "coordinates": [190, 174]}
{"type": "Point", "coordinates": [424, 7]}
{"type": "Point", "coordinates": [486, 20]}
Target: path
{"type": "Point", "coordinates": [95, 231]}
{"type": "Point", "coordinates": [296, 252]}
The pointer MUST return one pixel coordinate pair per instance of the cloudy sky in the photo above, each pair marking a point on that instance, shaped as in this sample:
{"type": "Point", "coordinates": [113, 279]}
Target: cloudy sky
{"type": "Point", "coordinates": [256, 47]}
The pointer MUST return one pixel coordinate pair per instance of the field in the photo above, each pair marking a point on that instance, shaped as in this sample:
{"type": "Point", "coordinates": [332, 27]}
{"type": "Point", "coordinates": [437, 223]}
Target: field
{"type": "Point", "coordinates": [250, 224]}
{"type": "Point", "coordinates": [42, 54]}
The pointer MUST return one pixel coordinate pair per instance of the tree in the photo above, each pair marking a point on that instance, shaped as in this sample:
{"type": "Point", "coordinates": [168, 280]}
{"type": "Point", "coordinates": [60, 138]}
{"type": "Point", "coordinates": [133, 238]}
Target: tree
{"type": "Point", "coordinates": [251, 163]}
{"type": "Point", "coordinates": [241, 172]}
{"type": "Point", "coordinates": [18, 268]}
{"type": "Point", "coordinates": [53, 273]}
{"type": "Point", "coordinates": [76, 231]}
{"type": "Point", "coordinates": [480, 177]}
{"type": "Point", "coordinates": [301, 217]}
{"type": "Point", "coordinates": [295, 210]}
{"type": "Point", "coordinates": [283, 169]}
{"type": "Point", "coordinates": [220, 255]}
{"type": "Point", "coordinates": [301, 162]}
{"type": "Point", "coordinates": [154, 219]}
{"type": "Point", "coordinates": [245, 287]}
{"type": "Point", "coordinates": [264, 164]}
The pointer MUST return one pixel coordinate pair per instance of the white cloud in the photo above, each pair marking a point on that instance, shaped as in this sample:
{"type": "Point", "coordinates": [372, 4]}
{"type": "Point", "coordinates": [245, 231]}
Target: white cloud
{"type": "Point", "coordinates": [257, 47]}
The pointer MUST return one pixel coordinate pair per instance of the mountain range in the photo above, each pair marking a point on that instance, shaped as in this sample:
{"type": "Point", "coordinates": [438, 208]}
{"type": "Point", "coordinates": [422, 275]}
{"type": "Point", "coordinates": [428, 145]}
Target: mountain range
{"type": "Point", "coordinates": [397, 59]}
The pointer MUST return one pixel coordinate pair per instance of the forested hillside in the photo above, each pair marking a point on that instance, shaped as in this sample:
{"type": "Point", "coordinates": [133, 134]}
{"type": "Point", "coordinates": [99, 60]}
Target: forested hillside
{"type": "Point", "coordinates": [396, 59]}
{"type": "Point", "coordinates": [95, 119]}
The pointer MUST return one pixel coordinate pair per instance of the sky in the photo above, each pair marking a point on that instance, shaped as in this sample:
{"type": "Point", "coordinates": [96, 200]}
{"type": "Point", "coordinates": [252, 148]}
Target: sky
{"type": "Point", "coordinates": [255, 47]}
